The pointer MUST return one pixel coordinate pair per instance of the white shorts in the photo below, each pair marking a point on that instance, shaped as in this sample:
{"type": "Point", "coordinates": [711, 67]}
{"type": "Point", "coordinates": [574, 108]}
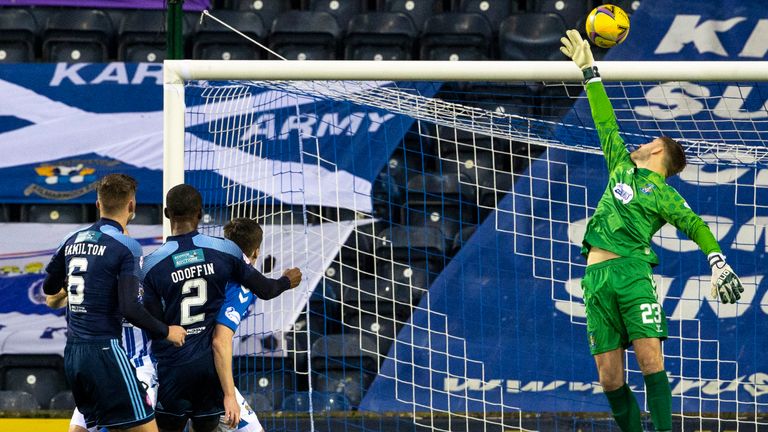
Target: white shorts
{"type": "Point", "coordinates": [248, 420]}
{"type": "Point", "coordinates": [147, 374]}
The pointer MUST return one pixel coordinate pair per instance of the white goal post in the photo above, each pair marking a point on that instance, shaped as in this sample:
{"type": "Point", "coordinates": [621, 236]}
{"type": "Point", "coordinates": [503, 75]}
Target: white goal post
{"type": "Point", "coordinates": [176, 72]}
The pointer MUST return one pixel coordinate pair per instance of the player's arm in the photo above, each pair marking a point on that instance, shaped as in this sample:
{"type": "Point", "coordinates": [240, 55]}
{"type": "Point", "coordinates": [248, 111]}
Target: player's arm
{"type": "Point", "coordinates": [602, 111]}
{"type": "Point", "coordinates": [58, 300]}
{"type": "Point", "coordinates": [235, 308]}
{"type": "Point", "coordinates": [261, 286]}
{"type": "Point", "coordinates": [131, 307]}
{"type": "Point", "coordinates": [56, 273]}
{"type": "Point", "coordinates": [725, 284]}
{"type": "Point", "coordinates": [222, 359]}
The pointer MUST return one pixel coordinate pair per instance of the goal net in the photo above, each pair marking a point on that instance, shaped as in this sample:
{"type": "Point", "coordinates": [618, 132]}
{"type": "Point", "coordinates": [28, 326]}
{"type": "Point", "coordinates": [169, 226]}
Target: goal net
{"type": "Point", "coordinates": [438, 223]}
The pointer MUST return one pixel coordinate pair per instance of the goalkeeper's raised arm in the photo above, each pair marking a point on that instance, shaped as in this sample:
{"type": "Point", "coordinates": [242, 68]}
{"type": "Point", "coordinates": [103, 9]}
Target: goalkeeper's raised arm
{"type": "Point", "coordinates": [602, 112]}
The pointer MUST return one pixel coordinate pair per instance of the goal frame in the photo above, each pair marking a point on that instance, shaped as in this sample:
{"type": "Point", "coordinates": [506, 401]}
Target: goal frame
{"type": "Point", "coordinates": [177, 72]}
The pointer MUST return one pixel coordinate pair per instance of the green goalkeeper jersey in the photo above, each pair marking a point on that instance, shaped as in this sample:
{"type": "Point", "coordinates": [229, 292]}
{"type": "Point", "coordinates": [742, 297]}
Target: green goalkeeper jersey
{"type": "Point", "coordinates": [637, 201]}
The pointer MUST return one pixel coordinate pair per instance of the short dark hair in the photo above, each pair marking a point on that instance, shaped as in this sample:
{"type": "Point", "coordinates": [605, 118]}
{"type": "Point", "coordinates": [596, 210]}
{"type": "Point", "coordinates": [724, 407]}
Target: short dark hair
{"type": "Point", "coordinates": [675, 161]}
{"type": "Point", "coordinates": [114, 191]}
{"type": "Point", "coordinates": [183, 202]}
{"type": "Point", "coordinates": [246, 233]}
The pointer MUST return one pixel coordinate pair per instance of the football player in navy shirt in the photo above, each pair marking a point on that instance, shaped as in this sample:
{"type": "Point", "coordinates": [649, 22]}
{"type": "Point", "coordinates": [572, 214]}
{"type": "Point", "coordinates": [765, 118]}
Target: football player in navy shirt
{"type": "Point", "coordinates": [184, 283]}
{"type": "Point", "coordinates": [98, 266]}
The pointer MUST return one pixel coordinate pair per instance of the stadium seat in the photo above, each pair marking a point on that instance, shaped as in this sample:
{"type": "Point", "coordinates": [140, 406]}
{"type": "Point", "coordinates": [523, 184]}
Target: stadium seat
{"type": "Point", "coordinates": [42, 383]}
{"type": "Point", "coordinates": [267, 10]}
{"type": "Point", "coordinates": [417, 10]}
{"type": "Point", "coordinates": [272, 384]}
{"type": "Point", "coordinates": [557, 99]}
{"type": "Point", "coordinates": [213, 41]}
{"type": "Point", "coordinates": [304, 35]}
{"type": "Point", "coordinates": [403, 166]}
{"type": "Point", "coordinates": [492, 10]}
{"type": "Point", "coordinates": [629, 6]}
{"type": "Point", "coordinates": [376, 329]}
{"type": "Point", "coordinates": [456, 36]}
{"type": "Point", "coordinates": [258, 402]}
{"type": "Point", "coordinates": [571, 11]}
{"type": "Point", "coordinates": [343, 366]}
{"type": "Point", "coordinates": [405, 283]}
{"type": "Point", "coordinates": [341, 10]}
{"type": "Point", "coordinates": [462, 238]}
{"type": "Point", "coordinates": [380, 36]}
{"type": "Point", "coordinates": [142, 36]}
{"type": "Point", "coordinates": [77, 35]}
{"type": "Point", "coordinates": [343, 352]}
{"type": "Point", "coordinates": [148, 214]}
{"type": "Point", "coordinates": [351, 383]}
{"type": "Point", "coordinates": [17, 401]}
{"type": "Point", "coordinates": [5, 213]}
{"type": "Point", "coordinates": [54, 213]}
{"type": "Point", "coordinates": [321, 402]}
{"type": "Point", "coordinates": [410, 243]}
{"type": "Point", "coordinates": [62, 400]}
{"type": "Point", "coordinates": [17, 36]}
{"type": "Point", "coordinates": [531, 36]}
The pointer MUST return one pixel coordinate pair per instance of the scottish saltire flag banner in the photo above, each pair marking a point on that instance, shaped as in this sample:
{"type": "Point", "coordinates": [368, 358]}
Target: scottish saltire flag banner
{"type": "Point", "coordinates": [63, 126]}
{"type": "Point", "coordinates": [192, 5]}
{"type": "Point", "coordinates": [537, 359]}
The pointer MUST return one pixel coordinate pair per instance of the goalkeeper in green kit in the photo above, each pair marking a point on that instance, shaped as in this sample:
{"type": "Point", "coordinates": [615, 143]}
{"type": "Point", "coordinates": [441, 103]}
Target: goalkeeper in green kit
{"type": "Point", "coordinates": [619, 293]}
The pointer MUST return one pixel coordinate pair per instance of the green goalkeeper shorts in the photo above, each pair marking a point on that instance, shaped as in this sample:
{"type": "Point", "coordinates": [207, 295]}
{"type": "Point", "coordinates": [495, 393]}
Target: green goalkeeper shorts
{"type": "Point", "coordinates": [621, 304]}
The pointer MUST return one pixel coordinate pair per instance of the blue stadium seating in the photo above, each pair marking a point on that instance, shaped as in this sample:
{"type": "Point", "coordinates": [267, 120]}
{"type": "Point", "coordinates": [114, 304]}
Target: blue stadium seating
{"type": "Point", "coordinates": [493, 10]}
{"type": "Point", "coordinates": [321, 402]}
{"type": "Point", "coordinates": [571, 11]}
{"type": "Point", "coordinates": [342, 366]}
{"type": "Point", "coordinates": [213, 41]}
{"type": "Point", "coordinates": [77, 35]}
{"type": "Point", "coordinates": [148, 214]}
{"type": "Point", "coordinates": [274, 385]}
{"type": "Point", "coordinates": [142, 36]}
{"type": "Point", "coordinates": [258, 402]}
{"type": "Point", "coordinates": [63, 400]}
{"type": "Point", "coordinates": [54, 213]}
{"type": "Point", "coordinates": [629, 6]}
{"type": "Point", "coordinates": [41, 376]}
{"type": "Point", "coordinates": [380, 36]}
{"type": "Point", "coordinates": [417, 10]}
{"type": "Point", "coordinates": [462, 238]}
{"type": "Point", "coordinates": [531, 36]}
{"type": "Point", "coordinates": [304, 35]}
{"type": "Point", "coordinates": [456, 36]}
{"type": "Point", "coordinates": [5, 213]}
{"type": "Point", "coordinates": [341, 10]}
{"type": "Point", "coordinates": [267, 10]}
{"type": "Point", "coordinates": [17, 401]}
{"type": "Point", "coordinates": [18, 30]}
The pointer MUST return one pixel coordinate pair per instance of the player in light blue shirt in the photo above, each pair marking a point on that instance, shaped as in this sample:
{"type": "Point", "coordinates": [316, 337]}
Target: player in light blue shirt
{"type": "Point", "coordinates": [247, 234]}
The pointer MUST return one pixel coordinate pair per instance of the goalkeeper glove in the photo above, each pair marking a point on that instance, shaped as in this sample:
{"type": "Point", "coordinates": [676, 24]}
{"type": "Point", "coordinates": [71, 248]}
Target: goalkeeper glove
{"type": "Point", "coordinates": [725, 283]}
{"type": "Point", "coordinates": [577, 49]}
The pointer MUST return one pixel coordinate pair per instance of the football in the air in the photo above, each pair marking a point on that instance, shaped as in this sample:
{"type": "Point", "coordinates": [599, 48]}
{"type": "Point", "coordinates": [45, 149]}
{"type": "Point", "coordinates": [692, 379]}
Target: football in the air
{"type": "Point", "coordinates": [607, 25]}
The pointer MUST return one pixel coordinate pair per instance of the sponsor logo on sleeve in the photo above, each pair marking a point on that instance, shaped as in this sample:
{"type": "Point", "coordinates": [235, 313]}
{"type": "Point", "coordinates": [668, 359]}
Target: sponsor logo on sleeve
{"type": "Point", "coordinates": [232, 315]}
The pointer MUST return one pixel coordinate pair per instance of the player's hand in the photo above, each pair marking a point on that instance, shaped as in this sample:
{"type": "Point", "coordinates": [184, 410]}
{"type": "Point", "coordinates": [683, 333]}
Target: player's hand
{"type": "Point", "coordinates": [725, 284]}
{"type": "Point", "coordinates": [294, 275]}
{"type": "Point", "coordinates": [176, 335]}
{"type": "Point", "coordinates": [231, 412]}
{"type": "Point", "coordinates": [577, 49]}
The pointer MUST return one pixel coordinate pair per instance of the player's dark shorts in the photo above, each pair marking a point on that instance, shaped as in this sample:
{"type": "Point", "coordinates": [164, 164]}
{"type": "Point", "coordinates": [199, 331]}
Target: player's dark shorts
{"type": "Point", "coordinates": [621, 304]}
{"type": "Point", "coordinates": [104, 384]}
{"type": "Point", "coordinates": [189, 390]}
